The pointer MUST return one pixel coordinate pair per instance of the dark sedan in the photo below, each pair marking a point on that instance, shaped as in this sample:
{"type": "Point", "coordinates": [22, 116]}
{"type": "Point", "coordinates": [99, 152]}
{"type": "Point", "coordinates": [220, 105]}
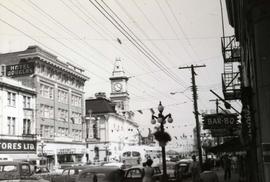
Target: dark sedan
{"type": "Point", "coordinates": [101, 173]}
{"type": "Point", "coordinates": [69, 174]}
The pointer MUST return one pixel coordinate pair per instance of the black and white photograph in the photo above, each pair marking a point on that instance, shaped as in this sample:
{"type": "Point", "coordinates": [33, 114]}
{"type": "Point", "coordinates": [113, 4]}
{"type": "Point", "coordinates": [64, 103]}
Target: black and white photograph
{"type": "Point", "coordinates": [135, 90]}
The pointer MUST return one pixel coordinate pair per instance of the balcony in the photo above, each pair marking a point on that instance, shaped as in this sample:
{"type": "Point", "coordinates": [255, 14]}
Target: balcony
{"type": "Point", "coordinates": [230, 49]}
{"type": "Point", "coordinates": [231, 85]}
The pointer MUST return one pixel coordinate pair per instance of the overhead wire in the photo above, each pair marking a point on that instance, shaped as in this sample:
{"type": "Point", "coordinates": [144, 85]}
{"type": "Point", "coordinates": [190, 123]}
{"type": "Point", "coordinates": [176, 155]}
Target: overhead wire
{"type": "Point", "coordinates": [132, 40]}
{"type": "Point", "coordinates": [147, 84]}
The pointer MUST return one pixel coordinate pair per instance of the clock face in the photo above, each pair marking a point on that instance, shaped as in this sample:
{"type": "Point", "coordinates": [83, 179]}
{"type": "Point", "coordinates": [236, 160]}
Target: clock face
{"type": "Point", "coordinates": [117, 87]}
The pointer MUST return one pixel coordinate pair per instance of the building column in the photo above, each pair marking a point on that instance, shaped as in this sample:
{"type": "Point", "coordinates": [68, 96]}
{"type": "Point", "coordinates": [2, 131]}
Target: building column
{"type": "Point", "coordinates": [261, 27]}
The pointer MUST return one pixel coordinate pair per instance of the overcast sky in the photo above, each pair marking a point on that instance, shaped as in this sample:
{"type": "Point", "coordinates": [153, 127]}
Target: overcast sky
{"type": "Point", "coordinates": [173, 33]}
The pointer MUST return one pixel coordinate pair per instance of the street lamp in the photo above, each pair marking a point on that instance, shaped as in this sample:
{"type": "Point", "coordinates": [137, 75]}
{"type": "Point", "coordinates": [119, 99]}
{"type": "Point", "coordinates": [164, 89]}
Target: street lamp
{"type": "Point", "coordinates": [42, 145]}
{"type": "Point", "coordinates": [161, 136]}
{"type": "Point", "coordinates": [87, 123]}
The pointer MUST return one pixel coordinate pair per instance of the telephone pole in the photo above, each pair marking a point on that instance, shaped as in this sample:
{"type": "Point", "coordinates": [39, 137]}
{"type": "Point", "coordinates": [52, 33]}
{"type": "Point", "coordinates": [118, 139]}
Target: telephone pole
{"type": "Point", "coordinates": [196, 113]}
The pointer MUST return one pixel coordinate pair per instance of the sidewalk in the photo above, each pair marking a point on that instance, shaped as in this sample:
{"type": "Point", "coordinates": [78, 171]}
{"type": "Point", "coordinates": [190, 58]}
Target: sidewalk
{"type": "Point", "coordinates": [234, 176]}
{"type": "Point", "coordinates": [220, 173]}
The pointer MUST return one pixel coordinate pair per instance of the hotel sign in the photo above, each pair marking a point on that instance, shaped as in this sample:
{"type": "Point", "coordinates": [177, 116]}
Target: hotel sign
{"type": "Point", "coordinates": [23, 146]}
{"type": "Point", "coordinates": [219, 121]}
{"type": "Point", "coordinates": [20, 69]}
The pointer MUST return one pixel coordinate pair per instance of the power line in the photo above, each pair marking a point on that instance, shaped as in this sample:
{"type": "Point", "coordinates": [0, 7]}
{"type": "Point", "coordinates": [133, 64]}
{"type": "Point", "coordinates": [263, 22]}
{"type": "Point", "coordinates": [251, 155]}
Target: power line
{"type": "Point", "coordinates": [133, 41]}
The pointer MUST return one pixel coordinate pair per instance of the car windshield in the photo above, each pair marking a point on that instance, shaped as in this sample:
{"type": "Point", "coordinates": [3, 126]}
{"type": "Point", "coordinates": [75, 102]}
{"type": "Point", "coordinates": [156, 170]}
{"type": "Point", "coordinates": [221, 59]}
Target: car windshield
{"type": "Point", "coordinates": [8, 168]}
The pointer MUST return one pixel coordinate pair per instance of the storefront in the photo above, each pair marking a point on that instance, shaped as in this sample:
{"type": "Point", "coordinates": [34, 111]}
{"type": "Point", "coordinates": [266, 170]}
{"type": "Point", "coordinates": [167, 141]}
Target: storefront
{"type": "Point", "coordinates": [18, 149]}
{"type": "Point", "coordinates": [61, 155]}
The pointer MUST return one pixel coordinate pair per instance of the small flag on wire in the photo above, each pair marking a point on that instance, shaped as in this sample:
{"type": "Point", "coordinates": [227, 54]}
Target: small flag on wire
{"type": "Point", "coordinates": [152, 110]}
{"type": "Point", "coordinates": [119, 41]}
{"type": "Point", "coordinates": [140, 111]}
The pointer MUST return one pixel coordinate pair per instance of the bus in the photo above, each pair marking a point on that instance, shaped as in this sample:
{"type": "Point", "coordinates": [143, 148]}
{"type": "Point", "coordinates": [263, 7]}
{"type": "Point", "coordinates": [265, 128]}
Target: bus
{"type": "Point", "coordinates": [136, 155]}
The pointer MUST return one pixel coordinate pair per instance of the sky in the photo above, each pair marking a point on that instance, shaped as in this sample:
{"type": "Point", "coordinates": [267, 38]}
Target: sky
{"type": "Point", "coordinates": [153, 38]}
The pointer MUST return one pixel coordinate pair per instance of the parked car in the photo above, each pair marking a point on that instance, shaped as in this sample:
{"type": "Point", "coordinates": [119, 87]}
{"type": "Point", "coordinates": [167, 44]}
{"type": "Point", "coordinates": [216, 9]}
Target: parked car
{"type": "Point", "coordinates": [182, 169]}
{"type": "Point", "coordinates": [120, 165]}
{"type": "Point", "coordinates": [18, 171]}
{"type": "Point", "coordinates": [101, 173]}
{"type": "Point", "coordinates": [135, 174]}
{"type": "Point", "coordinates": [69, 174]}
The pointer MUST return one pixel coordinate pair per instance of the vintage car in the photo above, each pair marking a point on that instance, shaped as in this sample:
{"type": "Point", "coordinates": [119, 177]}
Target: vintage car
{"type": "Point", "coordinates": [69, 174]}
{"type": "Point", "coordinates": [182, 168]}
{"type": "Point", "coordinates": [18, 171]}
{"type": "Point", "coordinates": [101, 173]}
{"type": "Point", "coordinates": [135, 174]}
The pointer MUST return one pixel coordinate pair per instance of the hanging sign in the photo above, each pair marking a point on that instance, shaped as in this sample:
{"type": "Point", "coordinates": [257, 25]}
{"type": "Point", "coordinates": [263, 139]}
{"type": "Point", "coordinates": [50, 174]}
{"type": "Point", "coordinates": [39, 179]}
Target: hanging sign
{"type": "Point", "coordinates": [219, 121]}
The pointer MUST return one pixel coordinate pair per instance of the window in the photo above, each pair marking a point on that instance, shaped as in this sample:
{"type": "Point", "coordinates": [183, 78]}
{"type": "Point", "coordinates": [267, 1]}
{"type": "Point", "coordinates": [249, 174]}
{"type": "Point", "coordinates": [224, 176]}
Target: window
{"type": "Point", "coordinates": [11, 99]}
{"type": "Point", "coordinates": [11, 125]}
{"type": "Point", "coordinates": [26, 101]}
{"type": "Point", "coordinates": [62, 96]}
{"type": "Point", "coordinates": [46, 91]}
{"type": "Point", "coordinates": [46, 111]}
{"type": "Point", "coordinates": [63, 114]}
{"type": "Point", "coordinates": [46, 131]}
{"type": "Point", "coordinates": [76, 118]}
{"type": "Point", "coordinates": [62, 131]}
{"type": "Point", "coordinates": [26, 126]}
{"type": "Point", "coordinates": [76, 100]}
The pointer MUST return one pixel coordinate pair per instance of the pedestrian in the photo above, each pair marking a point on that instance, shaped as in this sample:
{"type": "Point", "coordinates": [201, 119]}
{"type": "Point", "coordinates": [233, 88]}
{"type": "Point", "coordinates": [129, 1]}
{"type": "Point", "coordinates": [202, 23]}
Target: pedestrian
{"type": "Point", "coordinates": [148, 171]}
{"type": "Point", "coordinates": [227, 168]}
{"type": "Point", "coordinates": [194, 169]}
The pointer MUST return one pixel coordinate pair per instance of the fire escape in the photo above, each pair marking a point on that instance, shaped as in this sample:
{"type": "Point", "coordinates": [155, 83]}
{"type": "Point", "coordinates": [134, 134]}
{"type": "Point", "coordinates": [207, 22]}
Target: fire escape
{"type": "Point", "coordinates": [231, 83]}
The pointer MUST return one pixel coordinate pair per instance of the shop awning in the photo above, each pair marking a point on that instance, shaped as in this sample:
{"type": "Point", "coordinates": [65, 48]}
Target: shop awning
{"type": "Point", "coordinates": [233, 145]}
{"type": "Point", "coordinates": [22, 157]}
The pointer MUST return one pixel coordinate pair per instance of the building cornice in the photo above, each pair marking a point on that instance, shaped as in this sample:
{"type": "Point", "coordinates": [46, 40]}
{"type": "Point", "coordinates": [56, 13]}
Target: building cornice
{"type": "Point", "coordinates": [52, 60]}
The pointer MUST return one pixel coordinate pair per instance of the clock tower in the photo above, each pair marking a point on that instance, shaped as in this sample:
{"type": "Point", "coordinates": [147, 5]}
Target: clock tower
{"type": "Point", "coordinates": [119, 92]}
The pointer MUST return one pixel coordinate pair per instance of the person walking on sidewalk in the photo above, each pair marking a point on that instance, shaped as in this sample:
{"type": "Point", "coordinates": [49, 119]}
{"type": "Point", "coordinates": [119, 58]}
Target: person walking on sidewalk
{"type": "Point", "coordinates": [194, 168]}
{"type": "Point", "coordinates": [227, 167]}
{"type": "Point", "coordinates": [148, 171]}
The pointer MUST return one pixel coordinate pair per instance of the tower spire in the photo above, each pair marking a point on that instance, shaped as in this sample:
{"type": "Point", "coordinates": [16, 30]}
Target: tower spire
{"type": "Point", "coordinates": [118, 70]}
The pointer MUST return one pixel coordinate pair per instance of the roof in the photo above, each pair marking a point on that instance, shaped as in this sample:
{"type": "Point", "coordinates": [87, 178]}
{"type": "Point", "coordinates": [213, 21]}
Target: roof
{"type": "Point", "coordinates": [99, 105]}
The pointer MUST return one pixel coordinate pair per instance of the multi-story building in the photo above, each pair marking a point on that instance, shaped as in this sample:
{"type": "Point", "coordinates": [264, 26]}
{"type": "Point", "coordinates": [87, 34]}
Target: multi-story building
{"type": "Point", "coordinates": [111, 125]}
{"type": "Point", "coordinates": [59, 101]}
{"type": "Point", "coordinates": [249, 81]}
{"type": "Point", "coordinates": [17, 120]}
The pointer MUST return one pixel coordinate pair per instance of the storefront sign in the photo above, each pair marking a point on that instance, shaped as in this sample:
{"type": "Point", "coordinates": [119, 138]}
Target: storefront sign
{"type": "Point", "coordinates": [20, 69]}
{"type": "Point", "coordinates": [219, 121]}
{"type": "Point", "coordinates": [224, 132]}
{"type": "Point", "coordinates": [66, 151]}
{"type": "Point", "coordinates": [18, 146]}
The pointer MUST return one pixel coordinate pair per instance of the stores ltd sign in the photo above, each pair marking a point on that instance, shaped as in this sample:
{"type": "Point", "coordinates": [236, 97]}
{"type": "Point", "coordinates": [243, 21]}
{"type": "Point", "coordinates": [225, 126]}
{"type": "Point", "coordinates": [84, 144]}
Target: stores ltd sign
{"type": "Point", "coordinates": [17, 146]}
{"type": "Point", "coordinates": [21, 69]}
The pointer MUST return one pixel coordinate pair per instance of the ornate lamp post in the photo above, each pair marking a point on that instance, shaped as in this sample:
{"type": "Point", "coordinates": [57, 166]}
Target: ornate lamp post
{"type": "Point", "coordinates": [161, 136]}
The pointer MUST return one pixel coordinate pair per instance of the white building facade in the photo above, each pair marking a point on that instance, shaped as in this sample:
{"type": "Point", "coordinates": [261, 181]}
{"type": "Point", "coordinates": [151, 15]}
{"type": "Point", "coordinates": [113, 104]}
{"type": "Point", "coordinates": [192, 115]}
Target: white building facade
{"type": "Point", "coordinates": [17, 120]}
{"type": "Point", "coordinates": [59, 102]}
{"type": "Point", "coordinates": [114, 126]}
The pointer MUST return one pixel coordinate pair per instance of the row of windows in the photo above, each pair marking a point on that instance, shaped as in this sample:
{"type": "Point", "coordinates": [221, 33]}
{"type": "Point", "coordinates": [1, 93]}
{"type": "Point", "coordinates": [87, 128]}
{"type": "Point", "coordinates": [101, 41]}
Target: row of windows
{"type": "Point", "coordinates": [51, 73]}
{"type": "Point", "coordinates": [62, 131]}
{"type": "Point", "coordinates": [11, 124]}
{"type": "Point", "coordinates": [47, 111]}
{"type": "Point", "coordinates": [47, 91]}
{"type": "Point", "coordinates": [11, 98]}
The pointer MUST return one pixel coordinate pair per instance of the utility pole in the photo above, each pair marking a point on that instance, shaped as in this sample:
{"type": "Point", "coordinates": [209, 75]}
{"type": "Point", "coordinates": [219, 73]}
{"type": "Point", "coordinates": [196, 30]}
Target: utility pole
{"type": "Point", "coordinates": [196, 113]}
